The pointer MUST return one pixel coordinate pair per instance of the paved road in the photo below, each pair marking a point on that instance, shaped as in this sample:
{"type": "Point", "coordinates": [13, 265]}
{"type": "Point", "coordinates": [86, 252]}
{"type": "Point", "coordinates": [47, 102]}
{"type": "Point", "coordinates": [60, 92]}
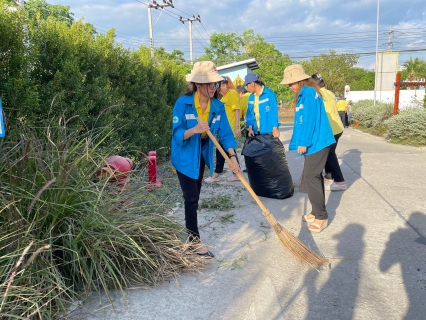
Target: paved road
{"type": "Point", "coordinates": [376, 244]}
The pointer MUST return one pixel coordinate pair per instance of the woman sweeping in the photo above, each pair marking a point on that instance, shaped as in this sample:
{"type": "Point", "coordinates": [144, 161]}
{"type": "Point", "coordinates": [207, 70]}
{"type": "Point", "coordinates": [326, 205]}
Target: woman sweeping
{"type": "Point", "coordinates": [194, 113]}
{"type": "Point", "coordinates": [231, 100]}
{"type": "Point", "coordinates": [312, 138]}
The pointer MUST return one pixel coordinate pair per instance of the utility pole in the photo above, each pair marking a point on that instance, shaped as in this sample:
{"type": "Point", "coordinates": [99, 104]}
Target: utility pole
{"type": "Point", "coordinates": [190, 20]}
{"type": "Point", "coordinates": [155, 5]}
{"type": "Point", "coordinates": [390, 34]}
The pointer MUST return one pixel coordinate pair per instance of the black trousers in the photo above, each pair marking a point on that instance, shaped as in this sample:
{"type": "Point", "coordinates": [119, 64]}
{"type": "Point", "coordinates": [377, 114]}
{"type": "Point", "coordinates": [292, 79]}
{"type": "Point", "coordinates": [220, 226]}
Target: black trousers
{"type": "Point", "coordinates": [220, 160]}
{"type": "Point", "coordinates": [191, 189]}
{"type": "Point", "coordinates": [314, 182]}
{"type": "Point", "coordinates": [342, 115]}
{"type": "Point", "coordinates": [332, 167]}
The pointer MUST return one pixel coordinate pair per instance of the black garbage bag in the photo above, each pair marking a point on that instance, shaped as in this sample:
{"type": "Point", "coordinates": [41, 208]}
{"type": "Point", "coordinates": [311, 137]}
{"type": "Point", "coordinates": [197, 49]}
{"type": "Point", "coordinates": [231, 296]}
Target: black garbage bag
{"type": "Point", "coordinates": [267, 167]}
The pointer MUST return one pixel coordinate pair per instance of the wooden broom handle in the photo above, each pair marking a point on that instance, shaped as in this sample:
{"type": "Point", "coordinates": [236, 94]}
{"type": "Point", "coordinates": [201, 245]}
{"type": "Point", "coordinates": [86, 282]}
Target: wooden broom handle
{"type": "Point", "coordinates": [239, 175]}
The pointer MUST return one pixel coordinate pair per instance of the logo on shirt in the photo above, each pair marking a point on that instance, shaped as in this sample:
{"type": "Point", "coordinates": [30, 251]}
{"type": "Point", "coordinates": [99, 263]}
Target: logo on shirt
{"type": "Point", "coordinates": [268, 108]}
{"type": "Point", "coordinates": [175, 119]}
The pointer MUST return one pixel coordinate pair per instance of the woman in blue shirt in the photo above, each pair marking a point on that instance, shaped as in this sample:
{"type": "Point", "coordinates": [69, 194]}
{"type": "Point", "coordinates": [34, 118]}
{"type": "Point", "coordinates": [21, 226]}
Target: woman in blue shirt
{"type": "Point", "coordinates": [194, 113]}
{"type": "Point", "coordinates": [262, 109]}
{"type": "Point", "coordinates": [312, 138]}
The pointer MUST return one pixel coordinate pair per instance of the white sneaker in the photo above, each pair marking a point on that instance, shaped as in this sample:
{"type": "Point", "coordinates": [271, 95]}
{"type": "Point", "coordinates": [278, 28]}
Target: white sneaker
{"type": "Point", "coordinates": [336, 187]}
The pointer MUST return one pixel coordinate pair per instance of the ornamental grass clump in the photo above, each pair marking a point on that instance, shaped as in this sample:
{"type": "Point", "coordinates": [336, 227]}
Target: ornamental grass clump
{"type": "Point", "coordinates": [64, 233]}
{"type": "Point", "coordinates": [369, 115]}
{"type": "Point", "coordinates": [409, 127]}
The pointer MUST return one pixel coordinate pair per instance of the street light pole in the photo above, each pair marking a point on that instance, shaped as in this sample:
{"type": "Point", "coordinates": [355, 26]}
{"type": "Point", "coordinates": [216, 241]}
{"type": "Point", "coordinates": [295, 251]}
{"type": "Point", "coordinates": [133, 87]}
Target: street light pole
{"type": "Point", "coordinates": [377, 50]}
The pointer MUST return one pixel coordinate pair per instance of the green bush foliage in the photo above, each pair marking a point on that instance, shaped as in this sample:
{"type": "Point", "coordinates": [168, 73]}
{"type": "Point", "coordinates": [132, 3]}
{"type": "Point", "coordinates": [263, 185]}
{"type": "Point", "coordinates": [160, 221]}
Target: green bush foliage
{"type": "Point", "coordinates": [55, 55]}
{"type": "Point", "coordinates": [408, 126]}
{"type": "Point", "coordinates": [369, 115]}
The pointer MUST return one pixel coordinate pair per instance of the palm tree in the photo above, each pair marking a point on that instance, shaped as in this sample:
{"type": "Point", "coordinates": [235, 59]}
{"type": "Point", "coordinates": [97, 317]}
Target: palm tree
{"type": "Point", "coordinates": [415, 67]}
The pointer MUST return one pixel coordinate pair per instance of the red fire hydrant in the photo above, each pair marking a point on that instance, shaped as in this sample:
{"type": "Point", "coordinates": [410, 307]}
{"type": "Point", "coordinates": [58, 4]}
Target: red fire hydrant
{"type": "Point", "coordinates": [116, 169]}
{"type": "Point", "coordinates": [154, 182]}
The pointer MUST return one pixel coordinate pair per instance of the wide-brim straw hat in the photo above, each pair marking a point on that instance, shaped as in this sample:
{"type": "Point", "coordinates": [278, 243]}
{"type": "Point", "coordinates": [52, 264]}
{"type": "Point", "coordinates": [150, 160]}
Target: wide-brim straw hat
{"type": "Point", "coordinates": [204, 72]}
{"type": "Point", "coordinates": [294, 73]}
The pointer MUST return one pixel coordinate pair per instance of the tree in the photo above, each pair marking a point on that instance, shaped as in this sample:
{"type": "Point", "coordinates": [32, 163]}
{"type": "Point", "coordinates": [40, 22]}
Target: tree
{"type": "Point", "coordinates": [415, 69]}
{"type": "Point", "coordinates": [271, 63]}
{"type": "Point", "coordinates": [224, 47]}
{"type": "Point", "coordinates": [335, 68]}
{"type": "Point", "coordinates": [40, 9]}
{"type": "Point", "coordinates": [361, 80]}
{"type": "Point", "coordinates": [16, 89]}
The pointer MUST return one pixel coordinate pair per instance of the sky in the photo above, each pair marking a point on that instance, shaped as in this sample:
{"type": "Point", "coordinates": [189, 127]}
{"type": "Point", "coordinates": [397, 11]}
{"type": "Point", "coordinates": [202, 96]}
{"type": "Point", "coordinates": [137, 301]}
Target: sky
{"type": "Point", "coordinates": [300, 28]}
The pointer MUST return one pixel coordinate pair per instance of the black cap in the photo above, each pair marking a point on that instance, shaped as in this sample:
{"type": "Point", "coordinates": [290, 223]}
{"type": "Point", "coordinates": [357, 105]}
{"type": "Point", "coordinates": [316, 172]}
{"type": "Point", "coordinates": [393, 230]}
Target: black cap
{"type": "Point", "coordinates": [318, 79]}
{"type": "Point", "coordinates": [241, 89]}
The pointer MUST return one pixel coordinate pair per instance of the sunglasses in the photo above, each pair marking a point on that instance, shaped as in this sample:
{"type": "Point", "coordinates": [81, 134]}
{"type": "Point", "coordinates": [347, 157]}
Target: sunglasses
{"type": "Point", "coordinates": [245, 86]}
{"type": "Point", "coordinates": [213, 85]}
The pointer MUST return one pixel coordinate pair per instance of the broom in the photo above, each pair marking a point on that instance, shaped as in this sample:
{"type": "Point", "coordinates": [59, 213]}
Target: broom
{"type": "Point", "coordinates": [290, 243]}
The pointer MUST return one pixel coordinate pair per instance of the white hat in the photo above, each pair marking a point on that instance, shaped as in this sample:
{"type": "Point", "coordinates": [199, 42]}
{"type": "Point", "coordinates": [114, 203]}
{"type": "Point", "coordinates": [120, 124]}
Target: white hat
{"type": "Point", "coordinates": [294, 73]}
{"type": "Point", "coordinates": [204, 72]}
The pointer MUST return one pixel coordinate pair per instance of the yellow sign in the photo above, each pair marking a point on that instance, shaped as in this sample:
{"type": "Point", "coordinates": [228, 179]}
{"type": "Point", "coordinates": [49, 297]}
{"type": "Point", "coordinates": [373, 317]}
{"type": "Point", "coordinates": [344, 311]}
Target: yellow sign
{"type": "Point", "coordinates": [238, 81]}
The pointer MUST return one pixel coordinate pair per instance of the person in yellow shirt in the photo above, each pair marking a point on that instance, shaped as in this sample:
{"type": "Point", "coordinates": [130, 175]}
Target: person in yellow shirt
{"type": "Point", "coordinates": [332, 167]}
{"type": "Point", "coordinates": [342, 108]}
{"type": "Point", "coordinates": [231, 99]}
{"type": "Point", "coordinates": [244, 95]}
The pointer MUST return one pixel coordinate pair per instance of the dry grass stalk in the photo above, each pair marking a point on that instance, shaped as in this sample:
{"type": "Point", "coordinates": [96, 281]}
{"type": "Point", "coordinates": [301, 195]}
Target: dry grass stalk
{"type": "Point", "coordinates": [15, 270]}
{"type": "Point", "coordinates": [39, 194]}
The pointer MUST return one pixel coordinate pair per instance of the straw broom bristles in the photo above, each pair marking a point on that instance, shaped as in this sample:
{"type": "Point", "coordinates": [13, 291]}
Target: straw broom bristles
{"type": "Point", "coordinates": [291, 243]}
{"type": "Point", "coordinates": [297, 248]}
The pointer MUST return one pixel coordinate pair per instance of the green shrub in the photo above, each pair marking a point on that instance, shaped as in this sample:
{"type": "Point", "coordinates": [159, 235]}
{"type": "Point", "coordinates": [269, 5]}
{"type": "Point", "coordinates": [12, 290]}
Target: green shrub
{"type": "Point", "coordinates": [64, 234]}
{"type": "Point", "coordinates": [93, 71]}
{"type": "Point", "coordinates": [408, 126]}
{"type": "Point", "coordinates": [370, 115]}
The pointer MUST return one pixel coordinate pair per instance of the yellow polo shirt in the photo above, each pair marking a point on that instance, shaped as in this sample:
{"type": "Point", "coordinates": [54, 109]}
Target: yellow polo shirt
{"type": "Point", "coordinates": [256, 108]}
{"type": "Point", "coordinates": [203, 115]}
{"type": "Point", "coordinates": [331, 109]}
{"type": "Point", "coordinates": [244, 104]}
{"type": "Point", "coordinates": [341, 105]}
{"type": "Point", "coordinates": [232, 102]}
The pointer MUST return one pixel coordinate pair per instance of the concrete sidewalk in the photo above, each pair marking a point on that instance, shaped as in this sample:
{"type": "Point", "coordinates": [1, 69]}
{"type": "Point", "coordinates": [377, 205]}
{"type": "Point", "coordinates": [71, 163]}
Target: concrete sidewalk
{"type": "Point", "coordinates": [375, 241]}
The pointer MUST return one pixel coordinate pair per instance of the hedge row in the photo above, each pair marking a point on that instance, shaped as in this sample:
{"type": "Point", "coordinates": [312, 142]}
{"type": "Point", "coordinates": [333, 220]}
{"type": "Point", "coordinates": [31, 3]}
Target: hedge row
{"type": "Point", "coordinates": [93, 72]}
{"type": "Point", "coordinates": [369, 115]}
{"type": "Point", "coordinates": [409, 126]}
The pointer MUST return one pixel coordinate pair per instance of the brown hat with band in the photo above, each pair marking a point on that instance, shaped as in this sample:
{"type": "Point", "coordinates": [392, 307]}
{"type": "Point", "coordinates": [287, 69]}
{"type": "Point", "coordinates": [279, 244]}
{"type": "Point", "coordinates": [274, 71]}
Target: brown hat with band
{"type": "Point", "coordinates": [294, 73]}
{"type": "Point", "coordinates": [204, 72]}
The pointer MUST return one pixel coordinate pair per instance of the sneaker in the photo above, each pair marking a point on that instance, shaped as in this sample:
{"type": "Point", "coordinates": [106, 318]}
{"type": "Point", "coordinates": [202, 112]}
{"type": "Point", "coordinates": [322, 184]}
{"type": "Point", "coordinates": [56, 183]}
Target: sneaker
{"type": "Point", "coordinates": [335, 187]}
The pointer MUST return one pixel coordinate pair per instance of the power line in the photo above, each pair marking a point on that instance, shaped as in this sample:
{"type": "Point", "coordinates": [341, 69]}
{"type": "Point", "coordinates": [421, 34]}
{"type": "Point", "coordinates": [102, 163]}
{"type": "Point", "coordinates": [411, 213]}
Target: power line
{"type": "Point", "coordinates": [283, 43]}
